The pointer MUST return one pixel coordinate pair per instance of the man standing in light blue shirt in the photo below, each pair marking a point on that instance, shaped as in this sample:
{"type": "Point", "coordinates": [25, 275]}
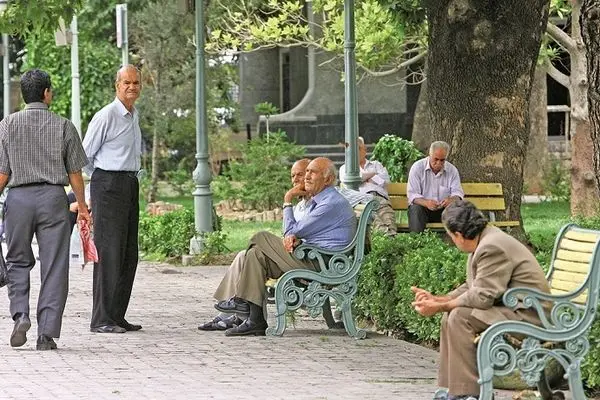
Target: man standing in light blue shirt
{"type": "Point", "coordinates": [433, 183]}
{"type": "Point", "coordinates": [113, 148]}
{"type": "Point", "coordinates": [330, 223]}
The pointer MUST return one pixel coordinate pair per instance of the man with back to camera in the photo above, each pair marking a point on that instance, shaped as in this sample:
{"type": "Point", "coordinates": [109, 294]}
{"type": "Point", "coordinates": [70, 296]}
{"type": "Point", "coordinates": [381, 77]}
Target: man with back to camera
{"type": "Point", "coordinates": [433, 183]}
{"type": "Point", "coordinates": [40, 153]}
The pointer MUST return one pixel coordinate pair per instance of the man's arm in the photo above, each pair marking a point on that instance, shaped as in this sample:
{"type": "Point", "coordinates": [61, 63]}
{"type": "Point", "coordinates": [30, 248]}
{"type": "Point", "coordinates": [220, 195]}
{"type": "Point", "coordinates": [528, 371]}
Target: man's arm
{"type": "Point", "coordinates": [380, 176]}
{"type": "Point", "coordinates": [93, 141]}
{"type": "Point", "coordinates": [77, 185]}
{"type": "Point", "coordinates": [3, 181]}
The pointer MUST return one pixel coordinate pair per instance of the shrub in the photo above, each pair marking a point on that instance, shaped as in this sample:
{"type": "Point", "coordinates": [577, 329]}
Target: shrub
{"type": "Point", "coordinates": [213, 244]}
{"type": "Point", "coordinates": [263, 173]}
{"type": "Point", "coordinates": [392, 267]}
{"type": "Point", "coordinates": [396, 155]}
{"type": "Point", "coordinates": [556, 180]}
{"type": "Point", "coordinates": [167, 235]}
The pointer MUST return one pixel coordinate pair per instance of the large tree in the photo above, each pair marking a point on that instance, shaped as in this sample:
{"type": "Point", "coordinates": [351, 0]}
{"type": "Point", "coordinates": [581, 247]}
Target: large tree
{"type": "Point", "coordinates": [590, 30]}
{"type": "Point", "coordinates": [481, 63]}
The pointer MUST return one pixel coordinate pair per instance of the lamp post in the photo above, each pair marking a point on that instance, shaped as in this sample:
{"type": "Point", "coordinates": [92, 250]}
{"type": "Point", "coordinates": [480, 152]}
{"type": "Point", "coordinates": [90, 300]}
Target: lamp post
{"type": "Point", "coordinates": [5, 65]}
{"type": "Point", "coordinates": [122, 35]}
{"type": "Point", "coordinates": [352, 178]}
{"type": "Point", "coordinates": [202, 173]}
{"type": "Point", "coordinates": [69, 36]}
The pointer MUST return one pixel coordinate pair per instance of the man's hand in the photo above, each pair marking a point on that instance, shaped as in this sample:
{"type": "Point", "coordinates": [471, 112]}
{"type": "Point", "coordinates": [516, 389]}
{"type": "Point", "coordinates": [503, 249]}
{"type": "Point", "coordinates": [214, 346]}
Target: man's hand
{"type": "Point", "coordinates": [427, 308]}
{"type": "Point", "coordinates": [447, 201]}
{"type": "Point", "coordinates": [83, 214]}
{"type": "Point", "coordinates": [430, 204]}
{"type": "Point", "coordinates": [421, 294]}
{"type": "Point", "coordinates": [290, 242]}
{"type": "Point", "coordinates": [366, 176]}
{"type": "Point", "coordinates": [294, 192]}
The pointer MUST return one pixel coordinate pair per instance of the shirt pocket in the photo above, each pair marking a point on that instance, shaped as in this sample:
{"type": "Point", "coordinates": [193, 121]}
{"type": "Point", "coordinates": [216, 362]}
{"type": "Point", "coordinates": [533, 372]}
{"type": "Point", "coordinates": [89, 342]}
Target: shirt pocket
{"type": "Point", "coordinates": [444, 191]}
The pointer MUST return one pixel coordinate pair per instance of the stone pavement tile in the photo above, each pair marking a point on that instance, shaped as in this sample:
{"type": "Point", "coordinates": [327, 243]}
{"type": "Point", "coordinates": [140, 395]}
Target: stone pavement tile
{"type": "Point", "coordinates": [171, 359]}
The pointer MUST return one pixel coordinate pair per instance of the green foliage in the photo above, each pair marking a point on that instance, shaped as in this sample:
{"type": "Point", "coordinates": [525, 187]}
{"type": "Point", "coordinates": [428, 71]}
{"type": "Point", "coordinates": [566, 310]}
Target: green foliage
{"type": "Point", "coordinates": [166, 235]}
{"type": "Point", "coordinates": [213, 244]}
{"type": "Point", "coordinates": [263, 172]}
{"type": "Point", "coordinates": [265, 108]}
{"type": "Point", "coordinates": [27, 17]}
{"type": "Point", "coordinates": [556, 180]}
{"type": "Point", "coordinates": [180, 180]}
{"type": "Point", "coordinates": [396, 155]}
{"type": "Point", "coordinates": [392, 267]}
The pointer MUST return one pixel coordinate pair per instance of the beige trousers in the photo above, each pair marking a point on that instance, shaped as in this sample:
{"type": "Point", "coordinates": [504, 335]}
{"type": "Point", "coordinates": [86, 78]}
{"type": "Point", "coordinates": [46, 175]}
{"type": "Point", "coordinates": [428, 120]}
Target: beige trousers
{"type": "Point", "coordinates": [458, 353]}
{"type": "Point", "coordinates": [385, 216]}
{"type": "Point", "coordinates": [265, 258]}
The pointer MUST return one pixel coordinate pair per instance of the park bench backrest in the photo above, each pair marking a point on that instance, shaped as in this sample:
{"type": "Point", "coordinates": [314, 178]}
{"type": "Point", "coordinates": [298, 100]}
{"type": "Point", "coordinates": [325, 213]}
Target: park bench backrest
{"type": "Point", "coordinates": [575, 266]}
{"type": "Point", "coordinates": [485, 196]}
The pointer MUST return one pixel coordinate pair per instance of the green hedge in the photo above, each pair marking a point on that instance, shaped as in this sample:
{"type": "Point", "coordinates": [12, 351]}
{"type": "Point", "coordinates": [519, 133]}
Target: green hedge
{"type": "Point", "coordinates": [392, 267]}
{"type": "Point", "coordinates": [166, 235]}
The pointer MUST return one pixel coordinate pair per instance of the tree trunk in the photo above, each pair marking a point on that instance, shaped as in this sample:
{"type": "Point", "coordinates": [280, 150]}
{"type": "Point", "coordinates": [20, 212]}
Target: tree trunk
{"type": "Point", "coordinates": [482, 58]}
{"type": "Point", "coordinates": [537, 150]}
{"type": "Point", "coordinates": [422, 136]}
{"type": "Point", "coordinates": [584, 190]}
{"type": "Point", "coordinates": [590, 26]}
{"type": "Point", "coordinates": [154, 176]}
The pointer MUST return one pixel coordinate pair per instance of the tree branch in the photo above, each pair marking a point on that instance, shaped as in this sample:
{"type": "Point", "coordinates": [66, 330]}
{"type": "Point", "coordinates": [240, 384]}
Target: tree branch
{"type": "Point", "coordinates": [559, 36]}
{"type": "Point", "coordinates": [558, 76]}
{"type": "Point", "coordinates": [397, 68]}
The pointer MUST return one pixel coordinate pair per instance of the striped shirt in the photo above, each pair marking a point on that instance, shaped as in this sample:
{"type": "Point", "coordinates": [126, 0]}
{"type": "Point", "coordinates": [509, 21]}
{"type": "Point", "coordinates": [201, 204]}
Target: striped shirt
{"type": "Point", "coordinates": [38, 146]}
{"type": "Point", "coordinates": [113, 141]}
{"type": "Point", "coordinates": [330, 222]}
{"type": "Point", "coordinates": [424, 183]}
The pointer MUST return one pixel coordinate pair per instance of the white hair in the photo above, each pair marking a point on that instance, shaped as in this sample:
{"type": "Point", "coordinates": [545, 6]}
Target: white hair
{"type": "Point", "coordinates": [439, 145]}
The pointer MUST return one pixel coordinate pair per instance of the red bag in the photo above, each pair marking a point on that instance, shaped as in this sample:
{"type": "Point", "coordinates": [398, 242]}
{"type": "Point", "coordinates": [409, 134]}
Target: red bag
{"type": "Point", "coordinates": [90, 254]}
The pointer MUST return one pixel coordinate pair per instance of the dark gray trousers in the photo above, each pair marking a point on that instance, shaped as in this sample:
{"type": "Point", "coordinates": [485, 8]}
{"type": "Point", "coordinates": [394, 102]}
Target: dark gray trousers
{"type": "Point", "coordinates": [115, 209]}
{"type": "Point", "coordinates": [419, 216]}
{"type": "Point", "coordinates": [41, 209]}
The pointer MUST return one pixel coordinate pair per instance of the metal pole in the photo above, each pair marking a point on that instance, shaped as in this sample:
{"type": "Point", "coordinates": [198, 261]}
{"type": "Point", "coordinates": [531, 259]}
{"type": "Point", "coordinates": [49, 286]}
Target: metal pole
{"type": "Point", "coordinates": [6, 74]}
{"type": "Point", "coordinates": [125, 44]}
{"type": "Point", "coordinates": [75, 94]}
{"type": "Point", "coordinates": [352, 179]}
{"type": "Point", "coordinates": [202, 174]}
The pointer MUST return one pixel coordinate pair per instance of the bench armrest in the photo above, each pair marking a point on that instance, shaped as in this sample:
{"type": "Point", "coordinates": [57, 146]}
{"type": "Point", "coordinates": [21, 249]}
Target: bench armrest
{"type": "Point", "coordinates": [564, 314]}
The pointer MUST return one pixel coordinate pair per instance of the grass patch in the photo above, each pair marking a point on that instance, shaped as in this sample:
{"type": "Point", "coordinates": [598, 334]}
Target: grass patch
{"type": "Point", "coordinates": [542, 222]}
{"type": "Point", "coordinates": [238, 232]}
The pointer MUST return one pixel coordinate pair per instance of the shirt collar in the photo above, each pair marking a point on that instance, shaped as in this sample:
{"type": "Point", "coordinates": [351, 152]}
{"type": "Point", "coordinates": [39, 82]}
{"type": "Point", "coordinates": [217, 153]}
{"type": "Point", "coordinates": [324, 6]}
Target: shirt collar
{"type": "Point", "coordinates": [36, 105]}
{"type": "Point", "coordinates": [322, 194]}
{"type": "Point", "coordinates": [428, 167]}
{"type": "Point", "coordinates": [122, 109]}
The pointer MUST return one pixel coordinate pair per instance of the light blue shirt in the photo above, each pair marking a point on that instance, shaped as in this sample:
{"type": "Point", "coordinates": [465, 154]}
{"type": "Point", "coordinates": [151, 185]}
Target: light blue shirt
{"type": "Point", "coordinates": [329, 223]}
{"type": "Point", "coordinates": [113, 141]}
{"type": "Point", "coordinates": [424, 183]}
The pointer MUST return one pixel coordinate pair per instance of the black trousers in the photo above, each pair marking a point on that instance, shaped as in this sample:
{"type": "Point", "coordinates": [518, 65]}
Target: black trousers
{"type": "Point", "coordinates": [419, 216]}
{"type": "Point", "coordinates": [115, 210]}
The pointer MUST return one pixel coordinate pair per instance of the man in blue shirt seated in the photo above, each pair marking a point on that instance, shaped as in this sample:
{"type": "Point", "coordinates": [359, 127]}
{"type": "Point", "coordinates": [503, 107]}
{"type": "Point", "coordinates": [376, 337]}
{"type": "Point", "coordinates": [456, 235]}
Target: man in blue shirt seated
{"type": "Point", "coordinates": [329, 223]}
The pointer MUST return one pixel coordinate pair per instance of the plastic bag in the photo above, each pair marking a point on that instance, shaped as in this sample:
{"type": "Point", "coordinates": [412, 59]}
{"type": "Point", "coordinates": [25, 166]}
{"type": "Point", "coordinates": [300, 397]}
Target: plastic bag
{"type": "Point", "coordinates": [90, 253]}
{"type": "Point", "coordinates": [75, 249]}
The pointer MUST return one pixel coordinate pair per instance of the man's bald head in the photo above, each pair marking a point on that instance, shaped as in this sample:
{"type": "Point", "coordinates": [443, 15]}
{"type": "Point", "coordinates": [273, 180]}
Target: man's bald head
{"type": "Point", "coordinates": [298, 171]}
{"type": "Point", "coordinates": [320, 173]}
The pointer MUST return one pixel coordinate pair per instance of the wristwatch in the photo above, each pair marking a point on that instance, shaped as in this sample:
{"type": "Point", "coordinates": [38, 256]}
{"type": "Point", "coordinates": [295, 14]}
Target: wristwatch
{"type": "Point", "coordinates": [287, 205]}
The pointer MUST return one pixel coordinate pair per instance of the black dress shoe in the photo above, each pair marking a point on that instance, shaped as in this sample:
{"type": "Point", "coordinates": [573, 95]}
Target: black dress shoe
{"type": "Point", "coordinates": [45, 343]}
{"type": "Point", "coordinates": [233, 305]}
{"type": "Point", "coordinates": [248, 328]}
{"type": "Point", "coordinates": [130, 327]}
{"type": "Point", "coordinates": [108, 329]}
{"type": "Point", "coordinates": [18, 337]}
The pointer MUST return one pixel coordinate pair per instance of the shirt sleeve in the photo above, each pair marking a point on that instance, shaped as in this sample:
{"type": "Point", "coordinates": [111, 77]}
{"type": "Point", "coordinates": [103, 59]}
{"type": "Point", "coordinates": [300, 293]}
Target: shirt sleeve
{"type": "Point", "coordinates": [381, 177]}
{"type": "Point", "coordinates": [456, 189]}
{"type": "Point", "coordinates": [75, 158]}
{"type": "Point", "coordinates": [342, 174]}
{"type": "Point", "coordinates": [4, 161]}
{"type": "Point", "coordinates": [314, 221]}
{"type": "Point", "coordinates": [494, 271]}
{"type": "Point", "coordinates": [413, 188]}
{"type": "Point", "coordinates": [93, 140]}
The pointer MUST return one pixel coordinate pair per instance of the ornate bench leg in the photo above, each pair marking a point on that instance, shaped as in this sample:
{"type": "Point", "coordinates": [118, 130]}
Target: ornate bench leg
{"type": "Point", "coordinates": [349, 323]}
{"type": "Point", "coordinates": [546, 391]}
{"type": "Point", "coordinates": [331, 323]}
{"type": "Point", "coordinates": [280, 318]}
{"type": "Point", "coordinates": [574, 377]}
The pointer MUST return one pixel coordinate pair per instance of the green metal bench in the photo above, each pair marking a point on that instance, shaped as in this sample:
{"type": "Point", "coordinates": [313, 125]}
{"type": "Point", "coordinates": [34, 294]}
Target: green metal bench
{"type": "Point", "coordinates": [336, 278]}
{"type": "Point", "coordinates": [574, 278]}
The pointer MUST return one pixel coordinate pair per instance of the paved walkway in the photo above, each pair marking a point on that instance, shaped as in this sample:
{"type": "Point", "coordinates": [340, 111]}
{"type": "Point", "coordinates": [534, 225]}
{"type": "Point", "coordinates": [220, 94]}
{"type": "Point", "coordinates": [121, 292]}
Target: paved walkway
{"type": "Point", "coordinates": [171, 359]}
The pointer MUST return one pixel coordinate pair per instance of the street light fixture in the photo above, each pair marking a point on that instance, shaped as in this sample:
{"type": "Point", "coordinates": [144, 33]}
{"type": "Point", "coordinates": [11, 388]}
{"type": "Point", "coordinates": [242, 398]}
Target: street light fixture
{"type": "Point", "coordinates": [3, 5]}
{"type": "Point", "coordinates": [5, 64]}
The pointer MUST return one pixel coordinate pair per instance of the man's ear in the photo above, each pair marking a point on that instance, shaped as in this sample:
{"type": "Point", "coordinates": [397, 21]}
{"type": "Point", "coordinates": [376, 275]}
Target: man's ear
{"type": "Point", "coordinates": [330, 179]}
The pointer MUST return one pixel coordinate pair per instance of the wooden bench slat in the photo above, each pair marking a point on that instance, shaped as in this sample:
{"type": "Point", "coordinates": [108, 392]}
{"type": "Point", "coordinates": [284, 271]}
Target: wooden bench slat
{"type": "Point", "coordinates": [582, 236]}
{"type": "Point", "coordinates": [483, 203]}
{"type": "Point", "coordinates": [437, 225]}
{"type": "Point", "coordinates": [568, 276]}
{"type": "Point", "coordinates": [564, 285]}
{"type": "Point", "coordinates": [575, 256]}
{"type": "Point", "coordinates": [569, 266]}
{"type": "Point", "coordinates": [470, 189]}
{"type": "Point", "coordinates": [582, 299]}
{"type": "Point", "coordinates": [574, 245]}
